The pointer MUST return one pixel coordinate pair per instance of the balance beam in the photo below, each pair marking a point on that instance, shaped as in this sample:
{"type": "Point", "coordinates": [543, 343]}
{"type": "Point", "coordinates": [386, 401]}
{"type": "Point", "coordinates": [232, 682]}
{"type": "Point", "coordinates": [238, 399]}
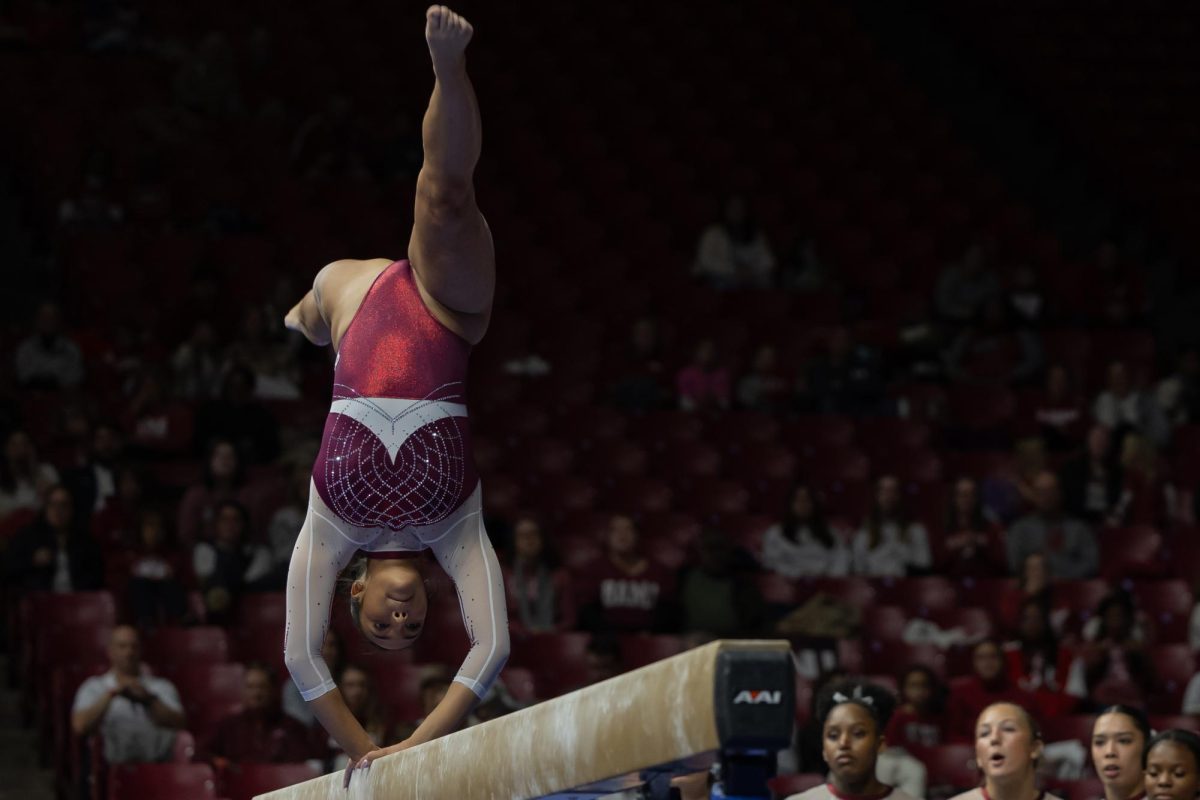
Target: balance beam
{"type": "Point", "coordinates": [732, 698]}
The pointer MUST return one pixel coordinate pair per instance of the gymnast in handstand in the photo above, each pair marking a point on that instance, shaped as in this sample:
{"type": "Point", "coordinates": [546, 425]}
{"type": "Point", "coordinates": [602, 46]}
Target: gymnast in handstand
{"type": "Point", "coordinates": [395, 475]}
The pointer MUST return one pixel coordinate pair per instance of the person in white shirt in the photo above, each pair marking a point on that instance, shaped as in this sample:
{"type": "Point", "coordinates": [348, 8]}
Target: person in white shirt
{"type": "Point", "coordinates": [853, 717]}
{"type": "Point", "coordinates": [135, 713]}
{"type": "Point", "coordinates": [23, 479]}
{"type": "Point", "coordinates": [734, 253]}
{"type": "Point", "coordinates": [1008, 747]}
{"type": "Point", "coordinates": [803, 544]}
{"type": "Point", "coordinates": [49, 359]}
{"type": "Point", "coordinates": [1122, 406]}
{"type": "Point", "coordinates": [890, 543]}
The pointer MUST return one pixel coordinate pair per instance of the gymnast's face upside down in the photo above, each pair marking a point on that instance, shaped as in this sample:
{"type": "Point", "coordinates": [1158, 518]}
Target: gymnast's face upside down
{"type": "Point", "coordinates": [392, 602]}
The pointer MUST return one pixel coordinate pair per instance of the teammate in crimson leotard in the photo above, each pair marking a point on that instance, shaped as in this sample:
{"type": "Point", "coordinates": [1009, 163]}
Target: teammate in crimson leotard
{"type": "Point", "coordinates": [394, 475]}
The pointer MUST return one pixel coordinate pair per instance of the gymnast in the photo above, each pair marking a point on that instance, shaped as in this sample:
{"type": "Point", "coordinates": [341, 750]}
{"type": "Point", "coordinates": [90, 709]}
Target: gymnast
{"type": "Point", "coordinates": [394, 475]}
{"type": "Point", "coordinates": [1008, 747]}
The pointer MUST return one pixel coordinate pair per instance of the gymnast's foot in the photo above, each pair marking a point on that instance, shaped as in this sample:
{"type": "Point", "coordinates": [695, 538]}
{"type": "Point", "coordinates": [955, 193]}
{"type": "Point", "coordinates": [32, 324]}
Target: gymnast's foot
{"type": "Point", "coordinates": [448, 35]}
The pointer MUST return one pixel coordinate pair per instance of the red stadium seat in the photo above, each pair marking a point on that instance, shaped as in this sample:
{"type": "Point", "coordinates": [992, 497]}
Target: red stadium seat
{"type": "Point", "coordinates": [638, 650]}
{"type": "Point", "coordinates": [1082, 789]}
{"type": "Point", "coordinates": [1070, 727]}
{"type": "Point", "coordinates": [660, 427]}
{"type": "Point", "coordinates": [881, 434]}
{"type": "Point", "coordinates": [974, 620]}
{"type": "Point", "coordinates": [1132, 552]}
{"type": "Point", "coordinates": [809, 434]}
{"type": "Point", "coordinates": [501, 494]}
{"type": "Point", "coordinates": [246, 781]}
{"type": "Point", "coordinates": [398, 686]}
{"type": "Point", "coordinates": [561, 495]}
{"type": "Point", "coordinates": [521, 684]}
{"type": "Point", "coordinates": [763, 461]}
{"type": "Point", "coordinates": [919, 596]}
{"type": "Point", "coordinates": [788, 785]}
{"type": "Point", "coordinates": [551, 648]}
{"type": "Point", "coordinates": [639, 496]}
{"type": "Point", "coordinates": [674, 526]}
{"type": "Point", "coordinates": [578, 552]}
{"type": "Point", "coordinates": [980, 408]}
{"type": "Point", "coordinates": [547, 456]}
{"type": "Point", "coordinates": [181, 646]}
{"type": "Point", "coordinates": [888, 657]}
{"type": "Point", "coordinates": [687, 459]}
{"type": "Point", "coordinates": [261, 610]}
{"type": "Point", "coordinates": [1174, 666]}
{"type": "Point", "coordinates": [951, 769]}
{"type": "Point", "coordinates": [857, 592]}
{"type": "Point", "coordinates": [615, 458]}
{"type": "Point", "coordinates": [843, 464]}
{"type": "Point", "coordinates": [747, 530]}
{"type": "Point", "coordinates": [885, 623]}
{"type": "Point", "coordinates": [161, 782]}
{"type": "Point", "coordinates": [666, 552]}
{"type": "Point", "coordinates": [209, 693]}
{"type": "Point", "coordinates": [775, 589]}
{"type": "Point", "coordinates": [714, 496]}
{"type": "Point", "coordinates": [1169, 604]}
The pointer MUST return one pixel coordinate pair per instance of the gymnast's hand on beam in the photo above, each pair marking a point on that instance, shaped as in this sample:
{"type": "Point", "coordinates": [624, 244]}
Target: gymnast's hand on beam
{"type": "Point", "coordinates": [365, 761]}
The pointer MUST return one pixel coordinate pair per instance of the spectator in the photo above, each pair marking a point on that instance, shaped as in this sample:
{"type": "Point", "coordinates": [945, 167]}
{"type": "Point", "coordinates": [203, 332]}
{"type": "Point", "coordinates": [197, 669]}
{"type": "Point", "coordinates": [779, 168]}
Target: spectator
{"type": "Point", "coordinates": [1026, 300]}
{"type": "Point", "coordinates": [93, 479]}
{"type": "Point", "coordinates": [1034, 582]}
{"type": "Point", "coordinates": [987, 685]}
{"type": "Point", "coordinates": [1191, 697]}
{"type": "Point", "coordinates": [1115, 666]}
{"type": "Point", "coordinates": [117, 525]}
{"type": "Point", "coordinates": [965, 287]}
{"type": "Point", "coordinates": [238, 418]}
{"type": "Point", "coordinates": [734, 253]}
{"type": "Point", "coordinates": [920, 721]}
{"type": "Point", "coordinates": [1009, 493]}
{"type": "Point", "coordinates": [973, 542]}
{"type": "Point", "coordinates": [231, 564]}
{"type": "Point", "coordinates": [284, 526]}
{"type": "Point", "coordinates": [55, 553]}
{"type": "Point", "coordinates": [135, 713]}
{"type": "Point", "coordinates": [358, 690]}
{"type": "Point", "coordinates": [890, 542]}
{"type": "Point", "coordinates": [1092, 483]}
{"type": "Point", "coordinates": [640, 385]}
{"type": "Point", "coordinates": [715, 595]}
{"type": "Point", "coordinates": [703, 384]}
{"type": "Point", "coordinates": [1069, 544]}
{"type": "Point", "coordinates": [293, 704]}
{"type": "Point", "coordinates": [49, 359]}
{"type": "Point", "coordinates": [540, 596]}
{"type": "Point", "coordinates": [156, 593]}
{"type": "Point", "coordinates": [1058, 412]}
{"type": "Point", "coordinates": [223, 480]}
{"type": "Point", "coordinates": [1172, 763]}
{"type": "Point", "coordinates": [803, 544]}
{"type": "Point", "coordinates": [848, 379]}
{"type": "Point", "coordinates": [261, 733]}
{"type": "Point", "coordinates": [627, 592]}
{"type": "Point", "coordinates": [154, 422]}
{"type": "Point", "coordinates": [198, 365]}
{"type": "Point", "coordinates": [1038, 663]}
{"type": "Point", "coordinates": [1119, 738]}
{"type": "Point", "coordinates": [803, 268]}
{"type": "Point", "coordinates": [1122, 407]}
{"type": "Point", "coordinates": [990, 353]}
{"type": "Point", "coordinates": [433, 688]}
{"type": "Point", "coordinates": [1178, 394]}
{"type": "Point", "coordinates": [23, 479]}
{"type": "Point", "coordinates": [273, 364]}
{"type": "Point", "coordinates": [764, 387]}
{"type": "Point", "coordinates": [1145, 497]}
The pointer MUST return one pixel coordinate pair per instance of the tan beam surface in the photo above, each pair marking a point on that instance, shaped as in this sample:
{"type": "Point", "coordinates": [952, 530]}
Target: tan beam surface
{"type": "Point", "coordinates": [655, 715]}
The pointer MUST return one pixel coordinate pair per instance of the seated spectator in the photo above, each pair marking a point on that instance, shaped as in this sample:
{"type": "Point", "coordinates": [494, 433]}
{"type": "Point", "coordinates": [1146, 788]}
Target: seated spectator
{"type": "Point", "coordinates": [117, 525]}
{"type": "Point", "coordinates": [764, 387]}
{"type": "Point", "coordinates": [734, 253]}
{"type": "Point", "coordinates": [292, 703]}
{"type": "Point", "coordinates": [1039, 663]}
{"type": "Point", "coordinates": [93, 477]}
{"type": "Point", "coordinates": [626, 592]}
{"type": "Point", "coordinates": [890, 542]}
{"type": "Point", "coordinates": [156, 592]}
{"type": "Point", "coordinates": [284, 526]}
{"type": "Point", "coordinates": [1008, 493]}
{"type": "Point", "coordinates": [715, 595]}
{"type": "Point", "coordinates": [803, 544]}
{"type": "Point", "coordinates": [49, 359]}
{"type": "Point", "coordinates": [973, 543]}
{"type": "Point", "coordinates": [1122, 407]}
{"type": "Point", "coordinates": [1034, 582]}
{"type": "Point", "coordinates": [989, 352]}
{"type": "Point", "coordinates": [1026, 300]}
{"type": "Point", "coordinates": [237, 417]}
{"type": "Point", "coordinates": [988, 684]}
{"type": "Point", "coordinates": [1058, 413]}
{"type": "Point", "coordinates": [273, 364]}
{"type": "Point", "coordinates": [433, 688]}
{"type": "Point", "coordinates": [1069, 543]}
{"type": "Point", "coordinates": [223, 480]}
{"type": "Point", "coordinates": [1092, 482]}
{"type": "Point", "coordinates": [966, 286]}
{"type": "Point", "coordinates": [197, 364]}
{"type": "Point", "coordinates": [1178, 394]}
{"type": "Point", "coordinates": [154, 422]}
{"type": "Point", "coordinates": [802, 267]}
{"type": "Point", "coordinates": [703, 384]}
{"type": "Point", "coordinates": [24, 480]}
{"type": "Point", "coordinates": [358, 690]}
{"type": "Point", "coordinates": [540, 596]}
{"type": "Point", "coordinates": [261, 733]}
{"type": "Point", "coordinates": [847, 379]}
{"type": "Point", "coordinates": [1113, 660]}
{"type": "Point", "coordinates": [920, 721]}
{"type": "Point", "coordinates": [641, 378]}
{"type": "Point", "coordinates": [231, 564]}
{"type": "Point", "coordinates": [135, 713]}
{"type": "Point", "coordinates": [1145, 497]}
{"type": "Point", "coordinates": [1191, 698]}
{"type": "Point", "coordinates": [55, 553]}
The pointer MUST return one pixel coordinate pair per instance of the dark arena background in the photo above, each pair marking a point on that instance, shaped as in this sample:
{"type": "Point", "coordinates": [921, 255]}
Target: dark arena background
{"type": "Point", "coordinates": [870, 326]}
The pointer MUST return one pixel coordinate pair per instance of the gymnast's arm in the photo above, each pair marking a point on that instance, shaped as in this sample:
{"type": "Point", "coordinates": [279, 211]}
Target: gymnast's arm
{"type": "Point", "coordinates": [309, 316]}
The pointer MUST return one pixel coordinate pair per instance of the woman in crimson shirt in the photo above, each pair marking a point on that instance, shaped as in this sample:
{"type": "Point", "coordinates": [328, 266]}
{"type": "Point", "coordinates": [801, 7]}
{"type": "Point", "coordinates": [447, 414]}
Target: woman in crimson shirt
{"type": "Point", "coordinates": [1038, 663]}
{"type": "Point", "coordinates": [988, 684]}
{"type": "Point", "coordinates": [919, 722]}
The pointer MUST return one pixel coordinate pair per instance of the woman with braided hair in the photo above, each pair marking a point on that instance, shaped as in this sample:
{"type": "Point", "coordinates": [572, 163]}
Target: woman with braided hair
{"type": "Point", "coordinates": [853, 717]}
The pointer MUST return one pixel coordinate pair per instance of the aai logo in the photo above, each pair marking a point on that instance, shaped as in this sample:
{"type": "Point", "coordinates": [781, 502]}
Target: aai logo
{"type": "Point", "coordinates": [759, 697]}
